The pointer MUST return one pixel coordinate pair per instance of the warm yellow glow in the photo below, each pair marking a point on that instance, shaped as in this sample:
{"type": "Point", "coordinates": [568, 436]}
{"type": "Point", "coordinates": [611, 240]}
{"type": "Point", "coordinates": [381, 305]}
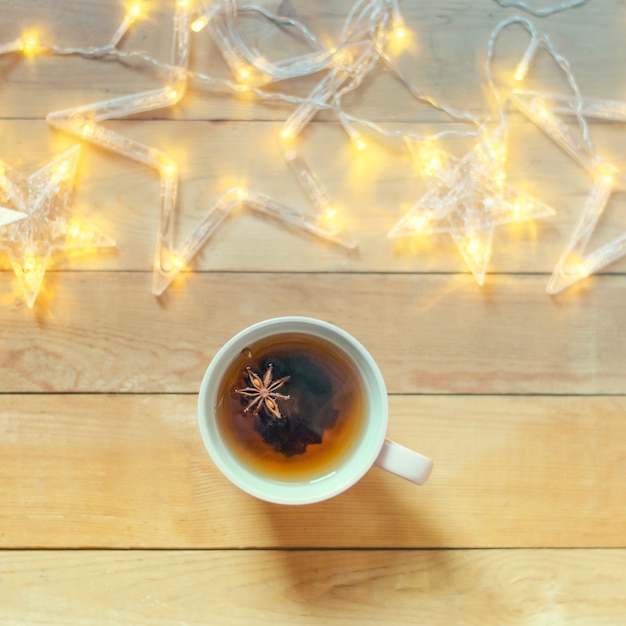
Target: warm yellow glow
{"type": "Point", "coordinates": [172, 94]}
{"type": "Point", "coordinates": [434, 164]}
{"type": "Point", "coordinates": [62, 171]}
{"type": "Point", "coordinates": [183, 3]}
{"type": "Point", "coordinates": [579, 268]}
{"type": "Point", "coordinates": [496, 151]}
{"type": "Point", "coordinates": [400, 39]}
{"type": "Point", "coordinates": [30, 262]}
{"type": "Point", "coordinates": [419, 223]}
{"type": "Point", "coordinates": [519, 74]}
{"type": "Point", "coordinates": [169, 170]}
{"type": "Point", "coordinates": [199, 23]}
{"type": "Point", "coordinates": [543, 113]}
{"type": "Point", "coordinates": [330, 219]}
{"type": "Point", "coordinates": [241, 193]}
{"type": "Point", "coordinates": [360, 144]}
{"type": "Point", "coordinates": [243, 74]}
{"type": "Point", "coordinates": [88, 129]}
{"type": "Point", "coordinates": [29, 44]}
{"type": "Point", "coordinates": [342, 57]}
{"type": "Point", "coordinates": [474, 247]}
{"type": "Point", "coordinates": [286, 133]}
{"type": "Point", "coordinates": [500, 177]}
{"type": "Point", "coordinates": [431, 160]}
{"type": "Point", "coordinates": [135, 11]}
{"type": "Point", "coordinates": [399, 32]}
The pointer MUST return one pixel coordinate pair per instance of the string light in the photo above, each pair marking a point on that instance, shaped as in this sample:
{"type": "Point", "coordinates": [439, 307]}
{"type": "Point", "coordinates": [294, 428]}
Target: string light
{"type": "Point", "coordinates": [170, 258]}
{"type": "Point", "coordinates": [574, 263]}
{"type": "Point", "coordinates": [35, 220]}
{"type": "Point", "coordinates": [132, 15]}
{"type": "Point", "coordinates": [29, 45]}
{"type": "Point", "coordinates": [466, 197]}
{"type": "Point", "coordinates": [543, 11]}
{"type": "Point", "coordinates": [546, 110]}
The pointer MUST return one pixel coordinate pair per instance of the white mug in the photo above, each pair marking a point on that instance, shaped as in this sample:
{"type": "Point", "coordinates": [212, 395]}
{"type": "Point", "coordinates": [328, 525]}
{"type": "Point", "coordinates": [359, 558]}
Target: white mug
{"type": "Point", "coordinates": [372, 447]}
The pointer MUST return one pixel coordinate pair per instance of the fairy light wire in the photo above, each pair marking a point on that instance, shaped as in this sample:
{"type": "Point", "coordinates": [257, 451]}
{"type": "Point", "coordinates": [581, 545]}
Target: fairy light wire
{"type": "Point", "coordinates": [361, 46]}
{"type": "Point", "coordinates": [561, 61]}
{"type": "Point", "coordinates": [542, 11]}
{"type": "Point", "coordinates": [575, 262]}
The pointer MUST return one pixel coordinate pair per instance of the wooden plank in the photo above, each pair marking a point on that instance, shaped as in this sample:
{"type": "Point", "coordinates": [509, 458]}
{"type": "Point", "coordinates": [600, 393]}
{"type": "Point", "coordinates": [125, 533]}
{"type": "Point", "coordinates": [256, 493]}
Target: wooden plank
{"type": "Point", "coordinates": [131, 471]}
{"type": "Point", "coordinates": [477, 587]}
{"type": "Point", "coordinates": [106, 332]}
{"type": "Point", "coordinates": [372, 192]}
{"type": "Point", "coordinates": [449, 42]}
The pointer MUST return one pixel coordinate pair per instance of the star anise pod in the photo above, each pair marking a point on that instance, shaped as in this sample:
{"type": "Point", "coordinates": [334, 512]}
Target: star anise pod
{"type": "Point", "coordinates": [263, 392]}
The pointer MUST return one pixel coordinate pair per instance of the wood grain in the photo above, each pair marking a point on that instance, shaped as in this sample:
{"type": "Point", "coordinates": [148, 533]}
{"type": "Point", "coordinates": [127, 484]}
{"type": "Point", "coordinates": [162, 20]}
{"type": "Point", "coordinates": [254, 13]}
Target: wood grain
{"type": "Point", "coordinates": [473, 588]}
{"type": "Point", "coordinates": [105, 332]}
{"type": "Point", "coordinates": [372, 190]}
{"type": "Point", "coordinates": [445, 58]}
{"type": "Point", "coordinates": [111, 511]}
{"type": "Point", "coordinates": [131, 471]}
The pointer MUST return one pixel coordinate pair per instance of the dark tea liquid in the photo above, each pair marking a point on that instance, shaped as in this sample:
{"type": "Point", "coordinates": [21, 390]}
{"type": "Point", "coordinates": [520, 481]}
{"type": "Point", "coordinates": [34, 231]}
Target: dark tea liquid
{"type": "Point", "coordinates": [321, 421]}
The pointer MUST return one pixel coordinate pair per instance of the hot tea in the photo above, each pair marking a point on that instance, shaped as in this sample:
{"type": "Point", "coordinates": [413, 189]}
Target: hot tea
{"type": "Point", "coordinates": [291, 407]}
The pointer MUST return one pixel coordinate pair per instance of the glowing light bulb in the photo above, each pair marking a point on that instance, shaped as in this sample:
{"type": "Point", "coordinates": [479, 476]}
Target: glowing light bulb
{"type": "Point", "coordinates": [433, 164]}
{"type": "Point", "coordinates": [30, 262]}
{"type": "Point", "coordinates": [88, 129]}
{"type": "Point", "coordinates": [243, 74]}
{"type": "Point", "coordinates": [342, 57]}
{"type": "Point", "coordinates": [241, 193]}
{"type": "Point", "coordinates": [473, 246]}
{"type": "Point", "coordinates": [134, 12]}
{"type": "Point", "coordinates": [578, 268]}
{"type": "Point", "coordinates": [169, 170]}
{"type": "Point", "coordinates": [360, 144]}
{"type": "Point", "coordinates": [522, 67]}
{"type": "Point", "coordinates": [330, 218]}
{"type": "Point", "coordinates": [62, 171]}
{"type": "Point", "coordinates": [73, 230]}
{"type": "Point", "coordinates": [172, 94]}
{"type": "Point", "coordinates": [399, 32]}
{"type": "Point", "coordinates": [419, 223]}
{"type": "Point", "coordinates": [199, 23]}
{"type": "Point", "coordinates": [29, 44]}
{"type": "Point", "coordinates": [286, 133]}
{"type": "Point", "coordinates": [430, 160]}
{"type": "Point", "coordinates": [608, 179]}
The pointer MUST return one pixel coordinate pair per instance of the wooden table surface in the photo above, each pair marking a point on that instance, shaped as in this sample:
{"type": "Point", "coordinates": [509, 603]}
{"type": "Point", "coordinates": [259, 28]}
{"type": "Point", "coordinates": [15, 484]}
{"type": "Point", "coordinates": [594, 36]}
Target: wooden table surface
{"type": "Point", "coordinates": [111, 511]}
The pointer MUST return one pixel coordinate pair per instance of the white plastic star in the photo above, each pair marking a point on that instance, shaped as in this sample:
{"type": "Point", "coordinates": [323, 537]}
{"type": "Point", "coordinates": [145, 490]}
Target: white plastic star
{"type": "Point", "coordinates": [575, 263]}
{"type": "Point", "coordinates": [40, 221]}
{"type": "Point", "coordinates": [169, 258]}
{"type": "Point", "coordinates": [467, 199]}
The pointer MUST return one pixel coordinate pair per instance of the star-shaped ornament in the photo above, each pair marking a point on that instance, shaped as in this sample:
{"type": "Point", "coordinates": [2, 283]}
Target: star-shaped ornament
{"type": "Point", "coordinates": [467, 198]}
{"type": "Point", "coordinates": [35, 220]}
{"type": "Point", "coordinates": [170, 258]}
{"type": "Point", "coordinates": [575, 262]}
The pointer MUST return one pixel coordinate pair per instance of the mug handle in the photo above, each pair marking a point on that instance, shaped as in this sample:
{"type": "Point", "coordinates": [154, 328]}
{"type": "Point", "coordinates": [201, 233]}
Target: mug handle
{"type": "Point", "coordinates": [404, 462]}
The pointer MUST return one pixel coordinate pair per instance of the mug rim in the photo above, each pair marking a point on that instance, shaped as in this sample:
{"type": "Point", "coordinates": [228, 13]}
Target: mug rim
{"type": "Point", "coordinates": [350, 470]}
